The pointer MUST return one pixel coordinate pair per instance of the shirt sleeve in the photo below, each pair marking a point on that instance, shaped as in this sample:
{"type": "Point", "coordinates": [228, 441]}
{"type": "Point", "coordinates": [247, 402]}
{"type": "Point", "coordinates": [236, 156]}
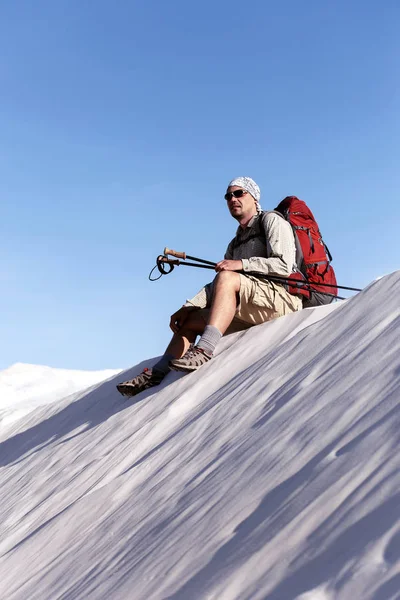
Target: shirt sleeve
{"type": "Point", "coordinates": [280, 248]}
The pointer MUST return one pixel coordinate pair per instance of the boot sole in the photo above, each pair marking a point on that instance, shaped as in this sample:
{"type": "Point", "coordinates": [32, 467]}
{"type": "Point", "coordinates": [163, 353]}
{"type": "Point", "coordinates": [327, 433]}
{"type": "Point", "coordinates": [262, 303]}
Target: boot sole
{"type": "Point", "coordinates": [185, 369]}
{"type": "Point", "coordinates": [127, 391]}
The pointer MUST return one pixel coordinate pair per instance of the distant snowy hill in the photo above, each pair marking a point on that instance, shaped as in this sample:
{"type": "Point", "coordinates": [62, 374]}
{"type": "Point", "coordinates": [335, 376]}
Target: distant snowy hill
{"type": "Point", "coordinates": [272, 473]}
{"type": "Point", "coordinates": [23, 387]}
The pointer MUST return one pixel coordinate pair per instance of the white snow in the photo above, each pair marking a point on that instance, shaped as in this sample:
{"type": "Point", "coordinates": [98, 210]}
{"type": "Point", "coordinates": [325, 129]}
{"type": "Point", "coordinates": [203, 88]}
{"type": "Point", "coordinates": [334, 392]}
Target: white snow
{"type": "Point", "coordinates": [272, 473]}
{"type": "Point", "coordinates": [23, 387]}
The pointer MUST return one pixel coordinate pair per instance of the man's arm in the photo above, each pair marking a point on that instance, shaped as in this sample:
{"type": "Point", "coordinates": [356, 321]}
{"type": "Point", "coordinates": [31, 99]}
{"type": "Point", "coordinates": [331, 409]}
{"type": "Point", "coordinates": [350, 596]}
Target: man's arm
{"type": "Point", "coordinates": [280, 247]}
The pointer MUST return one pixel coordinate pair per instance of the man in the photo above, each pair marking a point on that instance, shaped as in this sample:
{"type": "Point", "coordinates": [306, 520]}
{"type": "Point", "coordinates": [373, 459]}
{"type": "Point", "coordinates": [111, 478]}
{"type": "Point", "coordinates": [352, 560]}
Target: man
{"type": "Point", "coordinates": [236, 299]}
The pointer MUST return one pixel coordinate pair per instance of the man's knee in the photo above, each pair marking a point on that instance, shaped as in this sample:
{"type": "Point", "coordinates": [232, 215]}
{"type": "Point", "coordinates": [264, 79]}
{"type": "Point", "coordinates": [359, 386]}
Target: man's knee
{"type": "Point", "coordinates": [195, 323]}
{"type": "Point", "coordinates": [229, 279]}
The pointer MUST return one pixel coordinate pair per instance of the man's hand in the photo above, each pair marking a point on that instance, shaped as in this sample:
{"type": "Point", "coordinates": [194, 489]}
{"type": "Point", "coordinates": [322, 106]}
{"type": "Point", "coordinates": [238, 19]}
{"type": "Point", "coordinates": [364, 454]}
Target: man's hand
{"type": "Point", "coordinates": [229, 265]}
{"type": "Point", "coordinates": [178, 318]}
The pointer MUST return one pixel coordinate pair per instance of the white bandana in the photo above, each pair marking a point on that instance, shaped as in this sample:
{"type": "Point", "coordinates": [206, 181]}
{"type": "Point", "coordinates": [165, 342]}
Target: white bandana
{"type": "Point", "coordinates": [248, 184]}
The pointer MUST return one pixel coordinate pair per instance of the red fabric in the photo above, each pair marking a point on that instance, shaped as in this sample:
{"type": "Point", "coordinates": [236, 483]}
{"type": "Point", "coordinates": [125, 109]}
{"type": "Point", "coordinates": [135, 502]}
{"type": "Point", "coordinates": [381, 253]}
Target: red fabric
{"type": "Point", "coordinates": [316, 268]}
{"type": "Point", "coordinates": [295, 287]}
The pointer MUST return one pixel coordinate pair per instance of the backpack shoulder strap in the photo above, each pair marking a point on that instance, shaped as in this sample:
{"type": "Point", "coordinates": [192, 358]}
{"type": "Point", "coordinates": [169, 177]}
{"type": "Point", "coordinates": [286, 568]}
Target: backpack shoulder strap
{"type": "Point", "coordinates": [259, 232]}
{"type": "Point", "coordinates": [262, 217]}
{"type": "Point", "coordinates": [259, 229]}
{"type": "Point", "coordinates": [299, 251]}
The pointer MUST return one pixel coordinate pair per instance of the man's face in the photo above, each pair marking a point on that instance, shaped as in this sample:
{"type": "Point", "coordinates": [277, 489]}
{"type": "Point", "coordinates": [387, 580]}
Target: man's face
{"type": "Point", "coordinates": [240, 207]}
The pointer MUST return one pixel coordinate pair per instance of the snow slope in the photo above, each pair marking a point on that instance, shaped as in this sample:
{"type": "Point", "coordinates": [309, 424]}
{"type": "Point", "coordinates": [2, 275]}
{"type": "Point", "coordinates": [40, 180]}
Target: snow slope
{"type": "Point", "coordinates": [273, 473]}
{"type": "Point", "coordinates": [23, 387]}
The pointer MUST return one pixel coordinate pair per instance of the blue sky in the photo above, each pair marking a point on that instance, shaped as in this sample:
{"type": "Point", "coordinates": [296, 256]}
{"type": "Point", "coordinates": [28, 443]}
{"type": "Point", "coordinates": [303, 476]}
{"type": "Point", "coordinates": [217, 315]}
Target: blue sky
{"type": "Point", "coordinates": [121, 125]}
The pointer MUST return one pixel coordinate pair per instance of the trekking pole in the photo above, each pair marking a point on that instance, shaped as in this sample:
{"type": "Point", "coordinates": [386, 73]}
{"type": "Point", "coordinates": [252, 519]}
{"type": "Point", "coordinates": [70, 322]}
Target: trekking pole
{"type": "Point", "coordinates": [283, 279]}
{"type": "Point", "coordinates": [177, 263]}
{"type": "Point", "coordinates": [163, 261]}
{"type": "Point", "coordinates": [184, 256]}
{"type": "Point", "coordinates": [207, 264]}
{"type": "Point", "coordinates": [278, 278]}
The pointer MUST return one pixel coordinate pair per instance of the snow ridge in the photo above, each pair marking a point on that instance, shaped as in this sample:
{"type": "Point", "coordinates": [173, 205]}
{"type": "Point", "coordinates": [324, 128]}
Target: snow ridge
{"type": "Point", "coordinates": [23, 387]}
{"type": "Point", "coordinates": [273, 473]}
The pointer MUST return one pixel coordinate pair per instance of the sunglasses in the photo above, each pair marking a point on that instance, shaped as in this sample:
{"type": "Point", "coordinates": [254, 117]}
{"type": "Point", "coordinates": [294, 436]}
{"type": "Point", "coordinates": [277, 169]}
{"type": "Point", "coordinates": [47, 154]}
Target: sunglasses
{"type": "Point", "coordinates": [236, 194]}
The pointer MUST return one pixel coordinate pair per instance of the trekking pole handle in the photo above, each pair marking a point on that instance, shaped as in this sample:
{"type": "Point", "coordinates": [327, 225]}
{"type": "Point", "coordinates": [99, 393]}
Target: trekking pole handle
{"type": "Point", "coordinates": [168, 261]}
{"type": "Point", "coordinates": [177, 263]}
{"type": "Point", "coordinates": [184, 256]}
{"type": "Point", "coordinates": [169, 252]}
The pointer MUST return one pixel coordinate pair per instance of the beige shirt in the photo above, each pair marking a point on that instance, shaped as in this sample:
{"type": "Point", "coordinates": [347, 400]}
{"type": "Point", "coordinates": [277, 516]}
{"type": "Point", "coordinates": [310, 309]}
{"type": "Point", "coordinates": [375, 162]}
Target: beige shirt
{"type": "Point", "coordinates": [274, 254]}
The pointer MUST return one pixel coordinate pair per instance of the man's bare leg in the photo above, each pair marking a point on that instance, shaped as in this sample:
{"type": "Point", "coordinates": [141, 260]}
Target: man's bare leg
{"type": "Point", "coordinates": [192, 327]}
{"type": "Point", "coordinates": [223, 306]}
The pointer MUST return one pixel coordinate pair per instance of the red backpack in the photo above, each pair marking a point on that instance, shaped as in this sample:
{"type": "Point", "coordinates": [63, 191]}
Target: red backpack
{"type": "Point", "coordinates": [312, 255]}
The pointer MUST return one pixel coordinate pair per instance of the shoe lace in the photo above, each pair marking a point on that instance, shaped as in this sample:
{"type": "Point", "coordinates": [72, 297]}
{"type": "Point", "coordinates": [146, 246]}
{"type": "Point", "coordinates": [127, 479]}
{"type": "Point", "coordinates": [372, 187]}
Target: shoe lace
{"type": "Point", "coordinates": [190, 351]}
{"type": "Point", "coordinates": [144, 376]}
{"type": "Point", "coordinates": [194, 351]}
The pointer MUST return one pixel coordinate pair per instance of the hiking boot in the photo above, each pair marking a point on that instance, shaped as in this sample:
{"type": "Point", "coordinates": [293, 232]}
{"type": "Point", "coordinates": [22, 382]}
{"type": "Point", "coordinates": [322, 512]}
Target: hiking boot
{"type": "Point", "coordinates": [194, 358]}
{"type": "Point", "coordinates": [147, 379]}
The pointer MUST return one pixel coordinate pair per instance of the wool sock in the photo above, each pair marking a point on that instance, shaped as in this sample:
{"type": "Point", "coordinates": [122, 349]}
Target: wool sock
{"type": "Point", "coordinates": [162, 364]}
{"type": "Point", "coordinates": [209, 339]}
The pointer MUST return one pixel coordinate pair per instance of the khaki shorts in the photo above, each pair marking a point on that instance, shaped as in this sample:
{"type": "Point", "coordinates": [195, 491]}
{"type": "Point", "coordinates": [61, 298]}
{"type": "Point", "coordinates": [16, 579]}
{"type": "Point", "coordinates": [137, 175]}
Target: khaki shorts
{"type": "Point", "coordinates": [259, 301]}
